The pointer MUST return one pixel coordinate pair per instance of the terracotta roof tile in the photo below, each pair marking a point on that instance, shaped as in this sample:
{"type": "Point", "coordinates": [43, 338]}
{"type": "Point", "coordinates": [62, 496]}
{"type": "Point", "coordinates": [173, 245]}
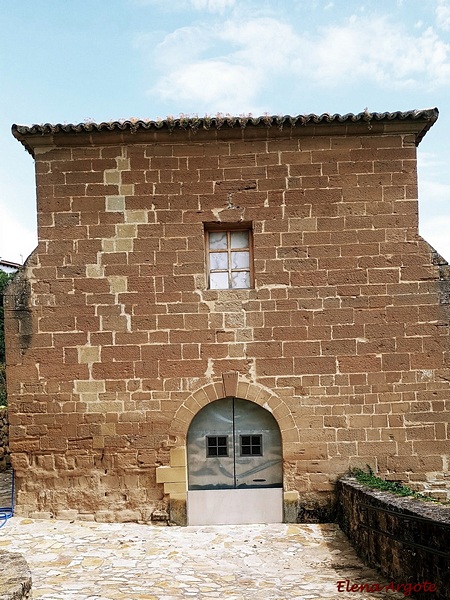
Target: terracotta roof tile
{"type": "Point", "coordinates": [219, 121]}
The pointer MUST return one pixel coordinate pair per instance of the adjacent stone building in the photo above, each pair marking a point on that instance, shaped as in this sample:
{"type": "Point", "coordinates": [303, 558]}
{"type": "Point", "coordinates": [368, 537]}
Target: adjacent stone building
{"type": "Point", "coordinates": [228, 313]}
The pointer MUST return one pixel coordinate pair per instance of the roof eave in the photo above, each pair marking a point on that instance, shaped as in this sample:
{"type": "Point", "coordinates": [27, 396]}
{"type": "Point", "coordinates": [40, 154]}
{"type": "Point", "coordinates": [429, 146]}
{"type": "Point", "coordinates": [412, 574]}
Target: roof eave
{"type": "Point", "coordinates": [417, 122]}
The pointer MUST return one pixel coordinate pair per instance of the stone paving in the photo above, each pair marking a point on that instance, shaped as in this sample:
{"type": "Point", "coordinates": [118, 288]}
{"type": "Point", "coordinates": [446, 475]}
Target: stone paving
{"type": "Point", "coordinates": [128, 561]}
{"type": "Point", "coordinates": [108, 561]}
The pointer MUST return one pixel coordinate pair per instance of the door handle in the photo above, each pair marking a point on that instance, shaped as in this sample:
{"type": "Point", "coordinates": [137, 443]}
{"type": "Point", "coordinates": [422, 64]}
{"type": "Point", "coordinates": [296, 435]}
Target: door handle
{"type": "Point", "coordinates": [259, 480]}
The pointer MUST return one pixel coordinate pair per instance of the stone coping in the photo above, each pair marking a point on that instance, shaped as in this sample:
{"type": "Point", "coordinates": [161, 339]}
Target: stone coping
{"type": "Point", "coordinates": [406, 539]}
{"type": "Point", "coordinates": [405, 504]}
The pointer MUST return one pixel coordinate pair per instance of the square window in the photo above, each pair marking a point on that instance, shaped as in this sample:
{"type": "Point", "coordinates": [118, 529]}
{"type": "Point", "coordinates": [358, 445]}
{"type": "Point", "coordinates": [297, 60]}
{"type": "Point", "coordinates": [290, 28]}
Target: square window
{"type": "Point", "coordinates": [216, 445]}
{"type": "Point", "coordinates": [251, 445]}
{"type": "Point", "coordinates": [229, 259]}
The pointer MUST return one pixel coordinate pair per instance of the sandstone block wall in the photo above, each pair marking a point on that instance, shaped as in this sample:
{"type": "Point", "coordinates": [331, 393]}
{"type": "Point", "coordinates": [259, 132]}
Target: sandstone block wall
{"type": "Point", "coordinates": [115, 342]}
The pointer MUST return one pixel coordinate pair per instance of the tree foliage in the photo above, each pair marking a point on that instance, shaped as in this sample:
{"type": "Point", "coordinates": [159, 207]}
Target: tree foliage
{"type": "Point", "coordinates": [2, 384]}
{"type": "Point", "coordinates": [4, 279]}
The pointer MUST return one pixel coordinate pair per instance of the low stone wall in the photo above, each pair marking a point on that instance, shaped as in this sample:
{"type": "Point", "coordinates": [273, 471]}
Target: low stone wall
{"type": "Point", "coordinates": [407, 540]}
{"type": "Point", "coordinates": [15, 577]}
{"type": "Point", "coordinates": [5, 461]}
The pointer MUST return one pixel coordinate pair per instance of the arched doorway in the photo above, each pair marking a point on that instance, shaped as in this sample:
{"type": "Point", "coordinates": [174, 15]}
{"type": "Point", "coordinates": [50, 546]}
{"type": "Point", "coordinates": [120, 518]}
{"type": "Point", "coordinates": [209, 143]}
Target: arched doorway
{"type": "Point", "coordinates": [234, 465]}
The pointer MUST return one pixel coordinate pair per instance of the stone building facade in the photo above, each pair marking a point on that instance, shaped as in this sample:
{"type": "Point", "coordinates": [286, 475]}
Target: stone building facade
{"type": "Point", "coordinates": [180, 263]}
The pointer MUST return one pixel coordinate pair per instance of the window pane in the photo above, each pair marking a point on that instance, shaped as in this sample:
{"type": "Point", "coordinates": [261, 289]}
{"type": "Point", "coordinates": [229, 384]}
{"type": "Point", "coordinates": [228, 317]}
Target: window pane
{"type": "Point", "coordinates": [217, 446]}
{"type": "Point", "coordinates": [218, 281]}
{"type": "Point", "coordinates": [239, 239]}
{"type": "Point", "coordinates": [256, 445]}
{"type": "Point", "coordinates": [251, 445]}
{"type": "Point", "coordinates": [240, 279]}
{"type": "Point", "coordinates": [218, 261]}
{"type": "Point", "coordinates": [218, 240]}
{"type": "Point", "coordinates": [240, 260]}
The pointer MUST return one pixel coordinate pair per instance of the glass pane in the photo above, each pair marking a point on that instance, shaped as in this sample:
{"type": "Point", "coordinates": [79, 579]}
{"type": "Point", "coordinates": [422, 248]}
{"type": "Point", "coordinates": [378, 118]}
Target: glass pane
{"type": "Point", "coordinates": [256, 445]}
{"type": "Point", "coordinates": [218, 240]}
{"type": "Point", "coordinates": [240, 279]}
{"type": "Point", "coordinates": [239, 239]}
{"type": "Point", "coordinates": [219, 281]}
{"type": "Point", "coordinates": [251, 445]}
{"type": "Point", "coordinates": [217, 446]}
{"type": "Point", "coordinates": [240, 260]}
{"type": "Point", "coordinates": [218, 260]}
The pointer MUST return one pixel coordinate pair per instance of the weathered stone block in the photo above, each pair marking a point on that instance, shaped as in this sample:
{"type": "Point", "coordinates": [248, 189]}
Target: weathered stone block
{"type": "Point", "coordinates": [178, 457]}
{"type": "Point", "coordinates": [67, 515]}
{"type": "Point", "coordinates": [15, 577]}
{"type": "Point", "coordinates": [175, 487]}
{"type": "Point", "coordinates": [170, 474]}
{"type": "Point", "coordinates": [115, 203]}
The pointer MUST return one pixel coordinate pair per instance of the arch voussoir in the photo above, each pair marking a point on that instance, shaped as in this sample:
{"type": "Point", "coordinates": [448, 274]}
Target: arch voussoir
{"type": "Point", "coordinates": [245, 390]}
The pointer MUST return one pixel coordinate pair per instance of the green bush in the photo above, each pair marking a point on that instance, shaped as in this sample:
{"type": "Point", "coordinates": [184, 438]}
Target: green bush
{"type": "Point", "coordinates": [370, 480]}
{"type": "Point", "coordinates": [4, 279]}
{"type": "Point", "coordinates": [2, 385]}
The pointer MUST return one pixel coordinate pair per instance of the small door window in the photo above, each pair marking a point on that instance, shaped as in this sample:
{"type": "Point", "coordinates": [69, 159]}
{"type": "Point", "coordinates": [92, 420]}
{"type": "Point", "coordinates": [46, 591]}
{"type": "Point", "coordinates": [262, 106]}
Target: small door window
{"type": "Point", "coordinates": [251, 445]}
{"type": "Point", "coordinates": [217, 445]}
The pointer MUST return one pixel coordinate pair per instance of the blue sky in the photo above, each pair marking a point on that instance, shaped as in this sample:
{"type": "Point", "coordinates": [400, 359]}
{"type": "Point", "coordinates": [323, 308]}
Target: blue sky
{"type": "Point", "coordinates": [74, 60]}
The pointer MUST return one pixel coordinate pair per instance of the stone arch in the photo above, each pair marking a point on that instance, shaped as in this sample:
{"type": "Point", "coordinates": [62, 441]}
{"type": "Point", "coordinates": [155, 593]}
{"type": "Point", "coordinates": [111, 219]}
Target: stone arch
{"type": "Point", "coordinates": [230, 385]}
{"type": "Point", "coordinates": [174, 475]}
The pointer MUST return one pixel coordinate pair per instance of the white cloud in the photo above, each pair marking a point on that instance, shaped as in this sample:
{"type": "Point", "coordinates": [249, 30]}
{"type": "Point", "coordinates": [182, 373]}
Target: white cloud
{"type": "Point", "coordinates": [212, 85]}
{"type": "Point", "coordinates": [213, 6]}
{"type": "Point", "coordinates": [18, 236]}
{"type": "Point", "coordinates": [226, 65]}
{"type": "Point", "coordinates": [17, 240]}
{"type": "Point", "coordinates": [374, 49]}
{"type": "Point", "coordinates": [433, 194]}
{"type": "Point", "coordinates": [243, 56]}
{"type": "Point", "coordinates": [176, 50]}
{"type": "Point", "coordinates": [434, 223]}
{"type": "Point", "coordinates": [432, 167]}
{"type": "Point", "coordinates": [435, 232]}
{"type": "Point", "coordinates": [443, 15]}
{"type": "Point", "coordinates": [265, 44]}
{"type": "Point", "coordinates": [429, 160]}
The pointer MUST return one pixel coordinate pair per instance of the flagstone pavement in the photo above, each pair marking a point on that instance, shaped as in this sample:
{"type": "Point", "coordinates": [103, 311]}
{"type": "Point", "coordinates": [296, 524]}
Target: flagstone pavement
{"type": "Point", "coordinates": [128, 561]}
